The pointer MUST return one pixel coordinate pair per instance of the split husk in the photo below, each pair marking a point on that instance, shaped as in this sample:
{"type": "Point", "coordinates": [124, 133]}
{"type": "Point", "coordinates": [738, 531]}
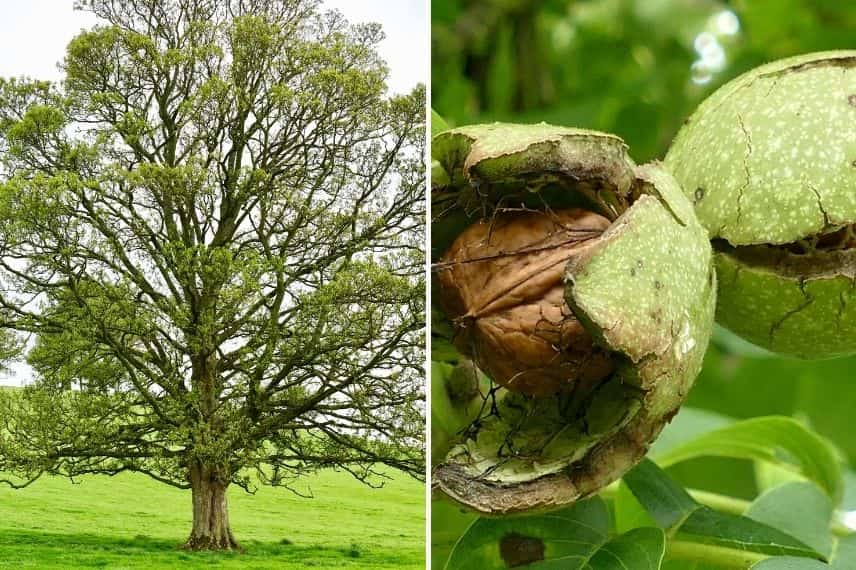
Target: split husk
{"type": "Point", "coordinates": [641, 290]}
{"type": "Point", "coordinates": [769, 161]}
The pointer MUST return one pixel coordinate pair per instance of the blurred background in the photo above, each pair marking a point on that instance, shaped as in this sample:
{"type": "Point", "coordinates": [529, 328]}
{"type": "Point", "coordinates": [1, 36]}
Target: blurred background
{"type": "Point", "coordinates": [637, 68]}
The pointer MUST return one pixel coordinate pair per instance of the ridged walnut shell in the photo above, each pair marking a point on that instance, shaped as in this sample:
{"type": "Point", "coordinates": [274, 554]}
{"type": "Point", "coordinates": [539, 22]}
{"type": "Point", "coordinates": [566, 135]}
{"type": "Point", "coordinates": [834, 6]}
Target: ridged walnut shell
{"type": "Point", "coordinates": [502, 285]}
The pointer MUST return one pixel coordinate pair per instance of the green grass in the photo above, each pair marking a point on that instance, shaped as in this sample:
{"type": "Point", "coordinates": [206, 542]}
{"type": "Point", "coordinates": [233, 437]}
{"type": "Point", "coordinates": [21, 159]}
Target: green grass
{"type": "Point", "coordinates": [130, 521]}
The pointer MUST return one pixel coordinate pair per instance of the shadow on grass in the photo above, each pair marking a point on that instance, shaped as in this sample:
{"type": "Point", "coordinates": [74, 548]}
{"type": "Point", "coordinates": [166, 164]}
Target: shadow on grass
{"type": "Point", "coordinates": [34, 549]}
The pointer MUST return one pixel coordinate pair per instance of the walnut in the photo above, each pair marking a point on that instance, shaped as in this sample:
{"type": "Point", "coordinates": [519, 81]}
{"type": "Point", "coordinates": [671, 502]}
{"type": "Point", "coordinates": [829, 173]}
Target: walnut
{"type": "Point", "coordinates": [501, 284]}
{"type": "Point", "coordinates": [581, 285]}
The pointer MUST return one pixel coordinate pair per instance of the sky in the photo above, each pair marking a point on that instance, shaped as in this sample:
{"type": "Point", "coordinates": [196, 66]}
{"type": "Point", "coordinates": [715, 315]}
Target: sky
{"type": "Point", "coordinates": [34, 33]}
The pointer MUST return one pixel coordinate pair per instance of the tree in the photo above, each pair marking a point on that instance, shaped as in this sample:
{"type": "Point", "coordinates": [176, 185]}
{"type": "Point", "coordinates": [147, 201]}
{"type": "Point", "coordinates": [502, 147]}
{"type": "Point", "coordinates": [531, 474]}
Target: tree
{"type": "Point", "coordinates": [212, 229]}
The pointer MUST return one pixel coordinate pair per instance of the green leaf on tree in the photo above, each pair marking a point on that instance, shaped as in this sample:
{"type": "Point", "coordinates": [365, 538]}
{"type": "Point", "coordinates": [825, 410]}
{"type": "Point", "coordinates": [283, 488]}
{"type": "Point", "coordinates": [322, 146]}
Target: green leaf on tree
{"type": "Point", "coordinates": [775, 439]}
{"type": "Point", "coordinates": [438, 123]}
{"type": "Point", "coordinates": [666, 501]}
{"type": "Point", "coordinates": [683, 518]}
{"type": "Point", "coordinates": [576, 537]}
{"type": "Point", "coordinates": [845, 553]}
{"type": "Point", "coordinates": [799, 509]}
{"type": "Point", "coordinates": [789, 563]}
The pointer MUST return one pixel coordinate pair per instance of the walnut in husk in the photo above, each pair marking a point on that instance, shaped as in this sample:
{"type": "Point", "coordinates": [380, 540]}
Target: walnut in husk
{"type": "Point", "coordinates": [582, 285]}
{"type": "Point", "coordinates": [769, 162]}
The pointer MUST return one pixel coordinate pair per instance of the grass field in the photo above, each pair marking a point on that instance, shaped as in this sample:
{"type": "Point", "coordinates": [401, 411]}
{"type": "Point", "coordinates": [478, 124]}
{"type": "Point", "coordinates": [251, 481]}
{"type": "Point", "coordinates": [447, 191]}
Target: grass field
{"type": "Point", "coordinates": [130, 521]}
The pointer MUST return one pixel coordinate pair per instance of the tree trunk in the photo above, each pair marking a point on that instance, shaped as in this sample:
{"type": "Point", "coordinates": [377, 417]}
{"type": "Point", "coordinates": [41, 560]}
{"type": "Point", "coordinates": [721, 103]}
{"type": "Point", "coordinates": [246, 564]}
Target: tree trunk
{"type": "Point", "coordinates": [211, 529]}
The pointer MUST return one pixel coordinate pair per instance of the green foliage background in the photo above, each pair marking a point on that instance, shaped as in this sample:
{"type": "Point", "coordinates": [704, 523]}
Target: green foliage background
{"type": "Point", "coordinates": [621, 66]}
{"type": "Point", "coordinates": [626, 67]}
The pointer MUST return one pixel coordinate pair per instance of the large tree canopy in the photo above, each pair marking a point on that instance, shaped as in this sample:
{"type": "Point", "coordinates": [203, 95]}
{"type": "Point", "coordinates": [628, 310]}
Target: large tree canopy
{"type": "Point", "coordinates": [211, 232]}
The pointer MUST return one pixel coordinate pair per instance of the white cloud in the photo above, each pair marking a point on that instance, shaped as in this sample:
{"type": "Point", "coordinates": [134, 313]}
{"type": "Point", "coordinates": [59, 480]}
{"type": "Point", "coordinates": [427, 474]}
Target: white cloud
{"type": "Point", "coordinates": [405, 23]}
{"type": "Point", "coordinates": [33, 36]}
{"type": "Point", "coordinates": [34, 33]}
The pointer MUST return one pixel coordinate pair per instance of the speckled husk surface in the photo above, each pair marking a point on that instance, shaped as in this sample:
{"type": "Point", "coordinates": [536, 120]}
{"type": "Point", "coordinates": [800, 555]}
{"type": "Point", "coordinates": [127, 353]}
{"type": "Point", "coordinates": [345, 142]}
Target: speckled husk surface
{"type": "Point", "coordinates": [769, 159]}
{"type": "Point", "coordinates": [644, 291]}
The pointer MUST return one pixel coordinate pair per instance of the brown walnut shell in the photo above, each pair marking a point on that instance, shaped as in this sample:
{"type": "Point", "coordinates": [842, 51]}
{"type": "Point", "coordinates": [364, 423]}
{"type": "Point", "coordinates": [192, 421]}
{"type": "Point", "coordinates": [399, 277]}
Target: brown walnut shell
{"type": "Point", "coordinates": [501, 285]}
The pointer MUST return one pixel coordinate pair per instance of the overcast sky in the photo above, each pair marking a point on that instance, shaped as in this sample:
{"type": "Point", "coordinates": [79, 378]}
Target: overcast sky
{"type": "Point", "coordinates": [34, 33]}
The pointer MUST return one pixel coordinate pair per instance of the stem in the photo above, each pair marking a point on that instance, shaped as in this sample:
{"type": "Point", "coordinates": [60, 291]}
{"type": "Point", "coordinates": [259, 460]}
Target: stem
{"type": "Point", "coordinates": [738, 507]}
{"type": "Point", "coordinates": [726, 504]}
{"type": "Point", "coordinates": [719, 502]}
{"type": "Point", "coordinates": [719, 556]}
{"type": "Point", "coordinates": [715, 501]}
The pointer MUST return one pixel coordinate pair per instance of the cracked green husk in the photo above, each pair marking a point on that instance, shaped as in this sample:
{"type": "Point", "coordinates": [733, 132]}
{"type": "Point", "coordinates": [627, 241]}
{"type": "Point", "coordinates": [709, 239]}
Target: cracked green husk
{"type": "Point", "coordinates": [770, 159]}
{"type": "Point", "coordinates": [645, 291]}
